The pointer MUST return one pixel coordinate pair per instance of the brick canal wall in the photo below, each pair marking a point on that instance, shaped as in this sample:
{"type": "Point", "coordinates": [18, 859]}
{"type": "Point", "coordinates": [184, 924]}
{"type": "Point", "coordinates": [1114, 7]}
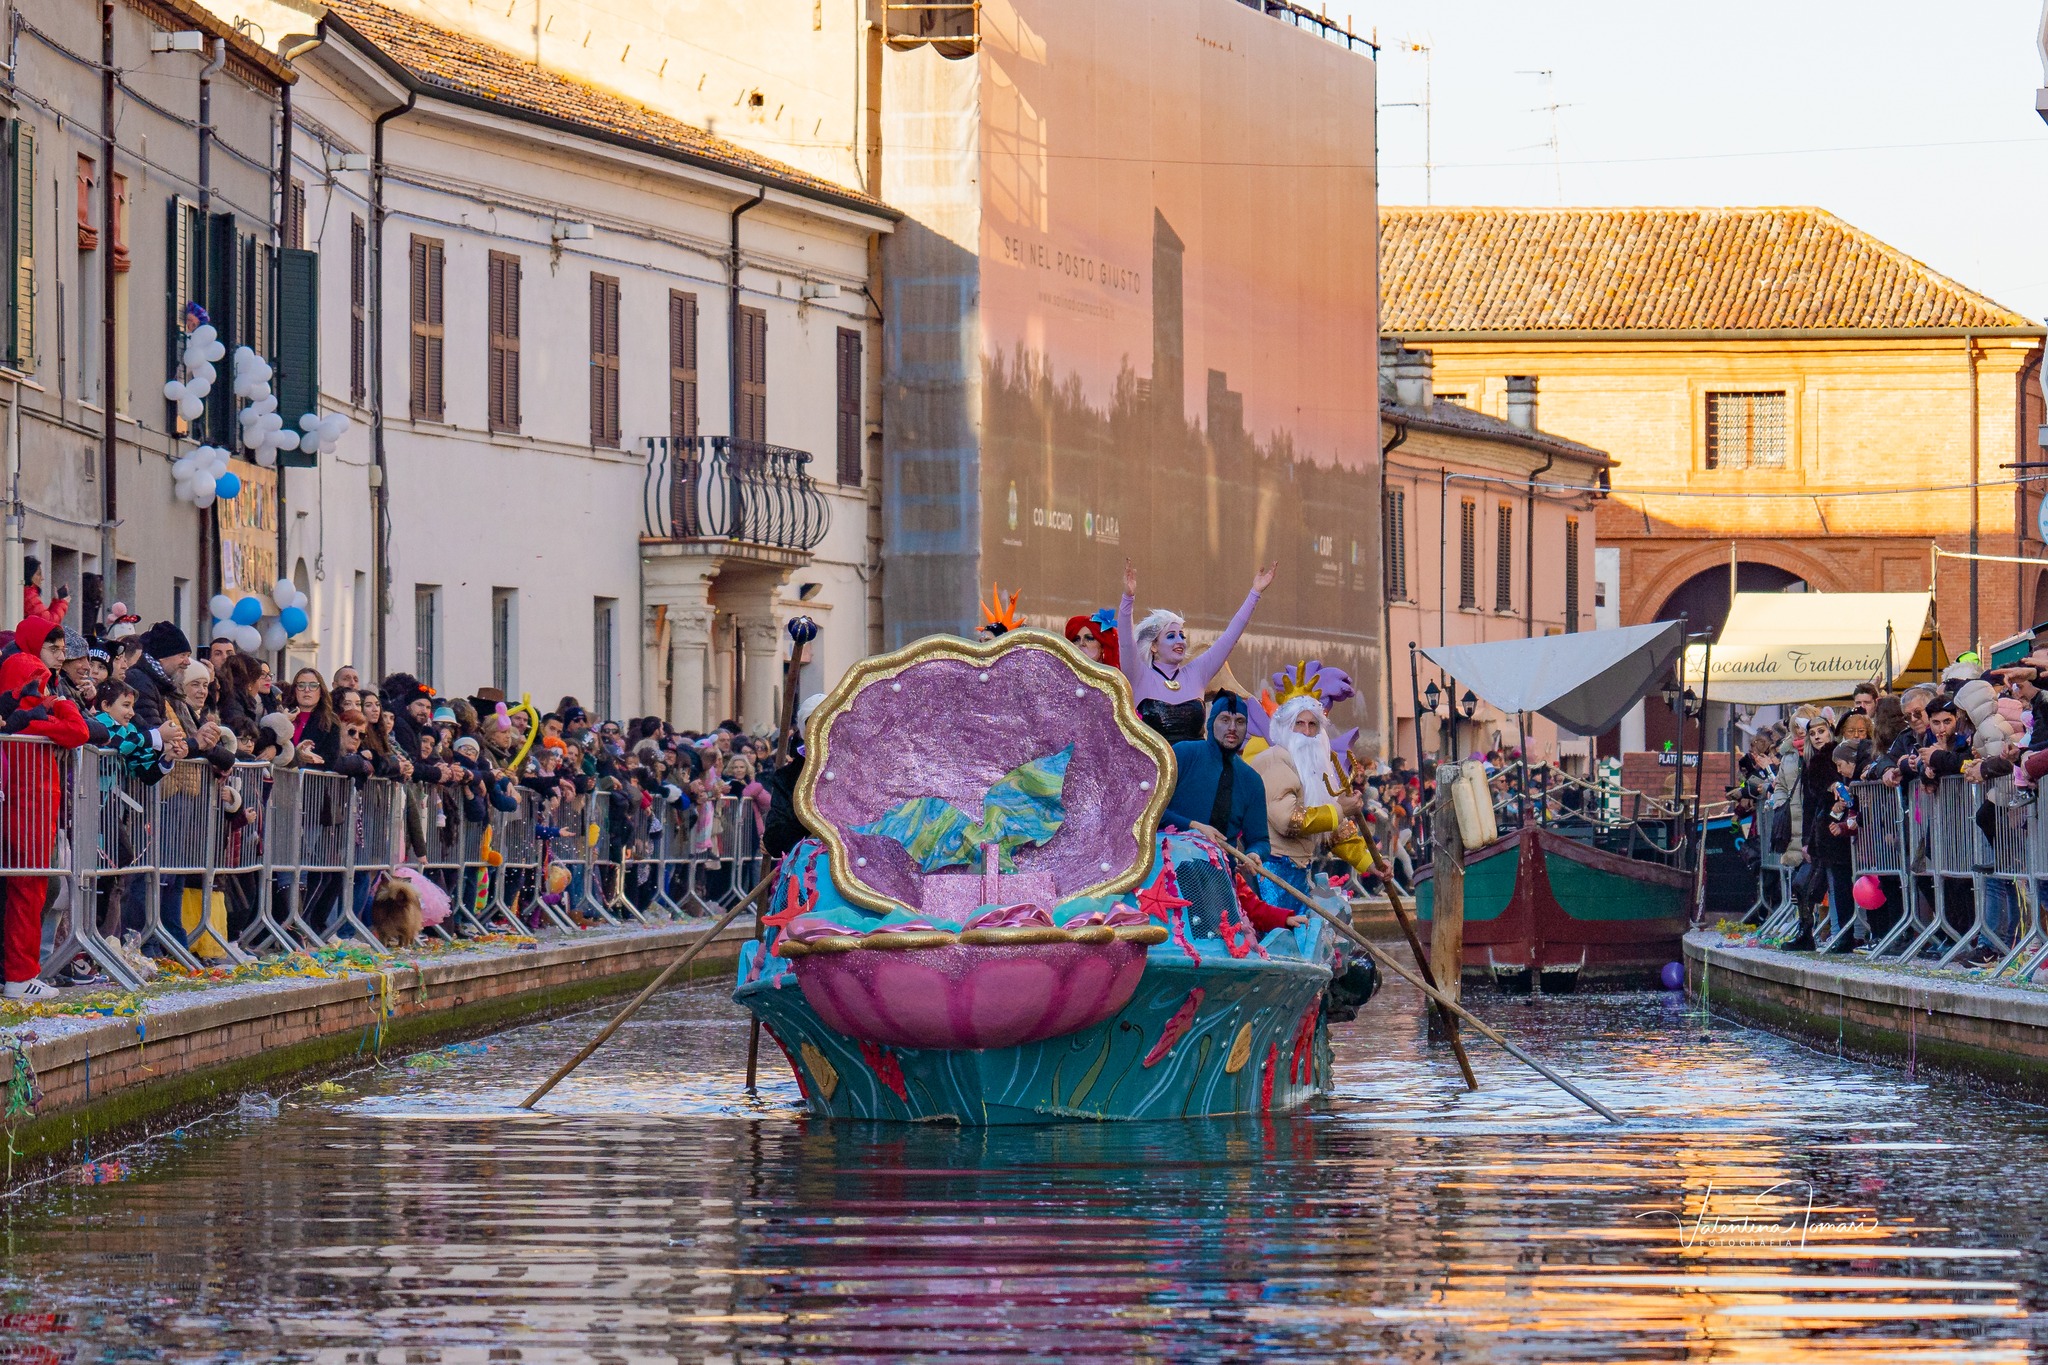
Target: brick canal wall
{"type": "Point", "coordinates": [1946, 1024]}
{"type": "Point", "coordinates": [189, 1051]}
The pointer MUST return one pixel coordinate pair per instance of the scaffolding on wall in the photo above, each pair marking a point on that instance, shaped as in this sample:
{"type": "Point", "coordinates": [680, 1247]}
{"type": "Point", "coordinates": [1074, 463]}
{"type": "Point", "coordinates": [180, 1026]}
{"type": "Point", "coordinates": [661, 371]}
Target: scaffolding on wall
{"type": "Point", "coordinates": [954, 28]}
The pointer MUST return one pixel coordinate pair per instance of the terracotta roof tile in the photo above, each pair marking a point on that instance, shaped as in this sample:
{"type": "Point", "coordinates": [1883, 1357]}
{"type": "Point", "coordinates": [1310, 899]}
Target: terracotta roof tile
{"type": "Point", "coordinates": [443, 59]}
{"type": "Point", "coordinates": [1657, 269]}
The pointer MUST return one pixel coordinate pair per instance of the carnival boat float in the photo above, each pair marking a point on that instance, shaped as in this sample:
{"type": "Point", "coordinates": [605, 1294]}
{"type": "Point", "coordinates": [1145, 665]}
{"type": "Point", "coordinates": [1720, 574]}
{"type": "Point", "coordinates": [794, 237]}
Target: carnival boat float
{"type": "Point", "coordinates": [989, 926]}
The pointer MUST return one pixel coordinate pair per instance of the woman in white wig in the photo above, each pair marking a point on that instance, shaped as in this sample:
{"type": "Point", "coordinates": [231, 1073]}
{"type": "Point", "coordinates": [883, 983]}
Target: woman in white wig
{"type": "Point", "coordinates": [1166, 684]}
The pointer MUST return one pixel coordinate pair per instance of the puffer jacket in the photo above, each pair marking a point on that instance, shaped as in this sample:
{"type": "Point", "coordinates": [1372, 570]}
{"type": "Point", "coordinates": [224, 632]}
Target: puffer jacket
{"type": "Point", "coordinates": [1786, 791]}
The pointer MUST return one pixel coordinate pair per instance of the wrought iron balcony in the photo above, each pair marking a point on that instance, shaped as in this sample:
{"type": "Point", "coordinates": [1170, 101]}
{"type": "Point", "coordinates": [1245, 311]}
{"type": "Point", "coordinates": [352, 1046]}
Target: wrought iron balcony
{"type": "Point", "coordinates": [717, 488]}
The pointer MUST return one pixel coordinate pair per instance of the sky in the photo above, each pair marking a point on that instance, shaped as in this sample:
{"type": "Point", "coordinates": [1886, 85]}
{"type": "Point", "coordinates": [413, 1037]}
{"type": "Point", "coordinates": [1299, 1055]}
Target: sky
{"type": "Point", "coordinates": [1911, 120]}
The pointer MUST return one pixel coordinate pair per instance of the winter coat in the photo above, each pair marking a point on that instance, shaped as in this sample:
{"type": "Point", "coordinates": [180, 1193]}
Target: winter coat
{"type": "Point", "coordinates": [33, 606]}
{"type": "Point", "coordinates": [154, 692]}
{"type": "Point", "coordinates": [32, 775]}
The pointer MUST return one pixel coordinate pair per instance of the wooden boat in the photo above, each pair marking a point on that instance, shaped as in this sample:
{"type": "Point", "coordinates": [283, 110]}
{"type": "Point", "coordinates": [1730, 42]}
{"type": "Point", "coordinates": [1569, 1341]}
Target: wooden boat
{"type": "Point", "coordinates": [957, 942]}
{"type": "Point", "coordinates": [1541, 908]}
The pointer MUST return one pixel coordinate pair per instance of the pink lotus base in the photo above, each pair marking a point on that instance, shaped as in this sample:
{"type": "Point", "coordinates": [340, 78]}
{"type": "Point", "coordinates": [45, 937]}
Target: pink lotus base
{"type": "Point", "coordinates": [966, 996]}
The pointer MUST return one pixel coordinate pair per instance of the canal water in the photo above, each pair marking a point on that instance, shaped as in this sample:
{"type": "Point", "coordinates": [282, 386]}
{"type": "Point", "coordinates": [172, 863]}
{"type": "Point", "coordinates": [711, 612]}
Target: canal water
{"type": "Point", "coordinates": [1766, 1203]}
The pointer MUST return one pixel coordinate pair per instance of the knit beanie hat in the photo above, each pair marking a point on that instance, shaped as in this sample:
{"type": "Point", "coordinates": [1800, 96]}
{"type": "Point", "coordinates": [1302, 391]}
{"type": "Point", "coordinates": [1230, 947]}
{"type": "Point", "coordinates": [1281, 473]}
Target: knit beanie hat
{"type": "Point", "coordinates": [164, 639]}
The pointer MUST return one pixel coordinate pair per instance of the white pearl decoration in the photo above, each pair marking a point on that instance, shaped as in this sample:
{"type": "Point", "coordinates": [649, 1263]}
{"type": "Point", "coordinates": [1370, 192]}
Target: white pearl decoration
{"type": "Point", "coordinates": [1104, 866]}
{"type": "Point", "coordinates": [1144, 786]}
{"type": "Point", "coordinates": [895, 687]}
{"type": "Point", "coordinates": [828, 774]}
{"type": "Point", "coordinates": [984, 677]}
{"type": "Point", "coordinates": [1080, 691]}
{"type": "Point", "coordinates": [860, 862]}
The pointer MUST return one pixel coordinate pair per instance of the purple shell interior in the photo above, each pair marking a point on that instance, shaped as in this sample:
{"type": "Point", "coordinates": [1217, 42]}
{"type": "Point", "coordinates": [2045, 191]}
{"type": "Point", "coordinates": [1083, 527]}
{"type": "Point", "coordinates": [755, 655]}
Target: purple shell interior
{"type": "Point", "coordinates": [936, 729]}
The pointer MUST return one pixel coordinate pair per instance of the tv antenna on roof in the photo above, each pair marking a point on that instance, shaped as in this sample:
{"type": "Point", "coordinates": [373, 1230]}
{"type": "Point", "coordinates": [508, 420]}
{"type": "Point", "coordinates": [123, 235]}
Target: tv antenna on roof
{"type": "Point", "coordinates": [1550, 107]}
{"type": "Point", "coordinates": [1428, 155]}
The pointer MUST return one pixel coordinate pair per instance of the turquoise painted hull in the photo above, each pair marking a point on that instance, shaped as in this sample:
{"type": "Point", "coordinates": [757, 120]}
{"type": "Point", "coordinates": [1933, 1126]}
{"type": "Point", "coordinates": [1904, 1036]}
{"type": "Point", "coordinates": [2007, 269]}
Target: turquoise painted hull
{"type": "Point", "coordinates": [1097, 1073]}
{"type": "Point", "coordinates": [1206, 1032]}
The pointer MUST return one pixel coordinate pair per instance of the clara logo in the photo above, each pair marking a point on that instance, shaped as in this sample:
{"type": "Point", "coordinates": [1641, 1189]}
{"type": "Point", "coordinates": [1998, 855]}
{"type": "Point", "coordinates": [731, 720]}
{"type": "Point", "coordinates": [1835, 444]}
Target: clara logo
{"type": "Point", "coordinates": [1013, 506]}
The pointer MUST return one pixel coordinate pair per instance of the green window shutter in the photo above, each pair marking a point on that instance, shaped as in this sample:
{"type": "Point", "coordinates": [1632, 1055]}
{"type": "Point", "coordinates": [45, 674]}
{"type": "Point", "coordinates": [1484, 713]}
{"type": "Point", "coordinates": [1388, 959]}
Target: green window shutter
{"type": "Point", "coordinates": [223, 306]}
{"type": "Point", "coordinates": [298, 343]}
{"type": "Point", "coordinates": [21, 247]}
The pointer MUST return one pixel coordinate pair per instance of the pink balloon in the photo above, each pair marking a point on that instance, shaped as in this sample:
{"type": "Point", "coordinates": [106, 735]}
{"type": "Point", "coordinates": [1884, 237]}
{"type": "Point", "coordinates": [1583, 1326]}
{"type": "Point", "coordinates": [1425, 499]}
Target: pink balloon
{"type": "Point", "coordinates": [1868, 891]}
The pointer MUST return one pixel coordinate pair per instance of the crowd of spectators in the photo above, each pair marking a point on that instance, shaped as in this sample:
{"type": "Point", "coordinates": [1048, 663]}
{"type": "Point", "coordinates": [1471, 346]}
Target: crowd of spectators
{"type": "Point", "coordinates": [151, 701]}
{"type": "Point", "coordinates": [1798, 798]}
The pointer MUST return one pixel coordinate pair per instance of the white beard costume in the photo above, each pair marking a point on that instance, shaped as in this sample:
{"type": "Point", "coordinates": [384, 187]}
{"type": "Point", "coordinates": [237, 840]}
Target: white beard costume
{"type": "Point", "coordinates": [1313, 760]}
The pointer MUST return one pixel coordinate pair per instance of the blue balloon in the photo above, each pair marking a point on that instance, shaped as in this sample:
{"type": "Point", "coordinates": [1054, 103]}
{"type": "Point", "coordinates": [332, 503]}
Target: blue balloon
{"type": "Point", "coordinates": [293, 619]}
{"type": "Point", "coordinates": [227, 485]}
{"type": "Point", "coordinates": [248, 611]}
{"type": "Point", "coordinates": [1674, 976]}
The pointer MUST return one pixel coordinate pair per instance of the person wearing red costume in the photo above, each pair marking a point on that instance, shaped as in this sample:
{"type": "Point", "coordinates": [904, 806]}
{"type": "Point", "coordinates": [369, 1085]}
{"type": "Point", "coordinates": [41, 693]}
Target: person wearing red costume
{"type": "Point", "coordinates": [1095, 636]}
{"type": "Point", "coordinates": [32, 782]}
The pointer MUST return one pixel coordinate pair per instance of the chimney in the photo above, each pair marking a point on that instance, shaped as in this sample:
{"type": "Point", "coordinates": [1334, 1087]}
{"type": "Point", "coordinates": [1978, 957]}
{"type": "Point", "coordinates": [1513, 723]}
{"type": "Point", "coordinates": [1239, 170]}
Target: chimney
{"type": "Point", "coordinates": [1406, 376]}
{"type": "Point", "coordinates": [1522, 402]}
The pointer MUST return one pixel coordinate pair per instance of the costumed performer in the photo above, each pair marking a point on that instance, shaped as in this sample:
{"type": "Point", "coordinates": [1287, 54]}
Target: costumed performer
{"type": "Point", "coordinates": [1095, 635]}
{"type": "Point", "coordinates": [1165, 683]}
{"type": "Point", "coordinates": [1310, 809]}
{"type": "Point", "coordinates": [781, 830]}
{"type": "Point", "coordinates": [1217, 788]}
{"type": "Point", "coordinates": [997, 618]}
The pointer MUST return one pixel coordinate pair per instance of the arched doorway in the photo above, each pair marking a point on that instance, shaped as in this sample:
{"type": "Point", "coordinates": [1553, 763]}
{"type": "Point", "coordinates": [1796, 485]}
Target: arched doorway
{"type": "Point", "coordinates": [1703, 599]}
{"type": "Point", "coordinates": [2040, 612]}
{"type": "Point", "coordinates": [1703, 602]}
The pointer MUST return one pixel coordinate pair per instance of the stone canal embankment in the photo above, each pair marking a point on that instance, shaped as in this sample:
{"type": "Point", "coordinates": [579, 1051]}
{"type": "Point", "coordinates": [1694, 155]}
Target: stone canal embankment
{"type": "Point", "coordinates": [112, 1065]}
{"type": "Point", "coordinates": [1925, 1020]}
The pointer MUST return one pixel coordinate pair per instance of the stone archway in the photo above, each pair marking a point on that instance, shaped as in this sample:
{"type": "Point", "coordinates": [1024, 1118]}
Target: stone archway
{"type": "Point", "coordinates": [1642, 595]}
{"type": "Point", "coordinates": [1703, 598]}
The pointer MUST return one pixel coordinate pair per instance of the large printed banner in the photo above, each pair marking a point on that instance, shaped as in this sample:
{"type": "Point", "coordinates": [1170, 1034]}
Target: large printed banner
{"type": "Point", "coordinates": [1177, 273]}
{"type": "Point", "coordinates": [248, 532]}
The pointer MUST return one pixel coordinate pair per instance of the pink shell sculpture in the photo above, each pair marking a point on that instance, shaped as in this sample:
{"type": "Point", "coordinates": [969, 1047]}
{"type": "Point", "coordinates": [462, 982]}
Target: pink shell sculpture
{"type": "Point", "coordinates": [969, 995]}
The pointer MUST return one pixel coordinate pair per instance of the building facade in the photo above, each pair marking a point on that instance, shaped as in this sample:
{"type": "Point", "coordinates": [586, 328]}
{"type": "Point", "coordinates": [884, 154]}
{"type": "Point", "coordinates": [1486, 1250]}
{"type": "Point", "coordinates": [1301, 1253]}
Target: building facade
{"type": "Point", "coordinates": [1781, 393]}
{"type": "Point", "coordinates": [1490, 534]}
{"type": "Point", "coordinates": [531, 295]}
{"type": "Point", "coordinates": [1109, 329]}
{"type": "Point", "coordinates": [104, 253]}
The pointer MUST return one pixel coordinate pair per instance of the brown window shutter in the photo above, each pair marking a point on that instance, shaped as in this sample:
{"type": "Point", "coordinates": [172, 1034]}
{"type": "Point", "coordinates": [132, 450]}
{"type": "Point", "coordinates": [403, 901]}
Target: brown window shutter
{"type": "Point", "coordinates": [511, 342]}
{"type": "Point", "coordinates": [682, 365]}
{"type": "Point", "coordinates": [849, 424]}
{"type": "Point", "coordinates": [604, 361]}
{"type": "Point", "coordinates": [753, 357]}
{"type": "Point", "coordinates": [418, 265]}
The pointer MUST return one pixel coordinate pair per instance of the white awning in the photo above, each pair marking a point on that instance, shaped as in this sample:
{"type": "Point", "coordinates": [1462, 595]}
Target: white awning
{"type": "Point", "coordinates": [1782, 647]}
{"type": "Point", "coordinates": [1585, 682]}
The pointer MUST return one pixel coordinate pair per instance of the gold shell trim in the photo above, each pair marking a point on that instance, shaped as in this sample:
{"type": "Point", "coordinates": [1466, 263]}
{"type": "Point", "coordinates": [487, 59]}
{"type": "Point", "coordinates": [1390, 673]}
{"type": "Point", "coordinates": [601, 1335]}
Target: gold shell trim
{"type": "Point", "coordinates": [883, 667]}
{"type": "Point", "coordinates": [1018, 937]}
{"type": "Point", "coordinates": [1240, 1052]}
{"type": "Point", "coordinates": [823, 1074]}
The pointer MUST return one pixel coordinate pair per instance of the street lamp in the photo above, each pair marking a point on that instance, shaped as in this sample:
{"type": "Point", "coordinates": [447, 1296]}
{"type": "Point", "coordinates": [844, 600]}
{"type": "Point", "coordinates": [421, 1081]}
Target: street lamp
{"type": "Point", "coordinates": [1431, 696]}
{"type": "Point", "coordinates": [1468, 704]}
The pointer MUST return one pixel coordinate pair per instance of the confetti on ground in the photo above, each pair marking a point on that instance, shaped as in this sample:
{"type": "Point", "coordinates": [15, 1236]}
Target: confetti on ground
{"type": "Point", "coordinates": [101, 1173]}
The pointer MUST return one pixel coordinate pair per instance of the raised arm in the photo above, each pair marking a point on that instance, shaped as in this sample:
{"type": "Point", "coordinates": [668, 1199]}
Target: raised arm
{"type": "Point", "coordinates": [1127, 648]}
{"type": "Point", "coordinates": [1211, 660]}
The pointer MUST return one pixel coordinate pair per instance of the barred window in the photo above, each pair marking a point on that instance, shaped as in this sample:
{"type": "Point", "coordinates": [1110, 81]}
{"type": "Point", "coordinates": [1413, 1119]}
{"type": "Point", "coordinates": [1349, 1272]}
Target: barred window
{"type": "Point", "coordinates": [1468, 553]}
{"type": "Point", "coordinates": [1571, 574]}
{"type": "Point", "coordinates": [1396, 536]}
{"type": "Point", "coordinates": [1746, 430]}
{"type": "Point", "coordinates": [1504, 559]}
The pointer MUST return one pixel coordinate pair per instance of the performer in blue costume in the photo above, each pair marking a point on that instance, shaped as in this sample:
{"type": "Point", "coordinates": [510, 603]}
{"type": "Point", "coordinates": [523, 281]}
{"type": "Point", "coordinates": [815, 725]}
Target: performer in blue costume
{"type": "Point", "coordinates": [1217, 787]}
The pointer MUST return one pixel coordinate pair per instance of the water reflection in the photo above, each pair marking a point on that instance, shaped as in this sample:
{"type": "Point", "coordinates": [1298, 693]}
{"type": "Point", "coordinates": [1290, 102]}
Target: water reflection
{"type": "Point", "coordinates": [1765, 1204]}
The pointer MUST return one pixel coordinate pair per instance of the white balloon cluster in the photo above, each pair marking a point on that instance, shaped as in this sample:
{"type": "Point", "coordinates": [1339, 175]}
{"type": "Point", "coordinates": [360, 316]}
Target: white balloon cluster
{"type": "Point", "coordinates": [323, 434]}
{"type": "Point", "coordinates": [263, 431]}
{"type": "Point", "coordinates": [203, 476]}
{"type": "Point", "coordinates": [244, 622]}
{"type": "Point", "coordinates": [202, 348]}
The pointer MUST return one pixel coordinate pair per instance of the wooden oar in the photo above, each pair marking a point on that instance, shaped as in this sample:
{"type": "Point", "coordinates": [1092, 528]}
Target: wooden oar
{"type": "Point", "coordinates": [627, 1013]}
{"type": "Point", "coordinates": [1449, 1020]}
{"type": "Point", "coordinates": [1386, 960]}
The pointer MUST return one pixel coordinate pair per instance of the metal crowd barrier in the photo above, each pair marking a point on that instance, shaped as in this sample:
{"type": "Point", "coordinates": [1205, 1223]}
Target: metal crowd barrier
{"type": "Point", "coordinates": [291, 855]}
{"type": "Point", "coordinates": [1968, 859]}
